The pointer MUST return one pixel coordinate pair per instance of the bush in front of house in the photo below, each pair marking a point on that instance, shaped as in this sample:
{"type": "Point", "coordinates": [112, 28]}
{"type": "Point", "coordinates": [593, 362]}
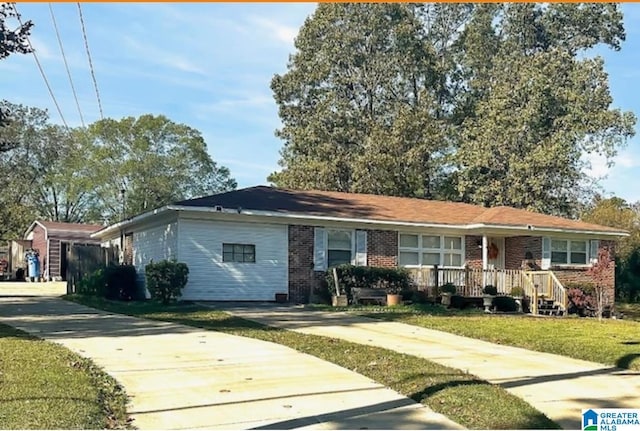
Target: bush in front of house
{"type": "Point", "coordinates": [166, 279]}
{"type": "Point", "coordinates": [92, 284]}
{"type": "Point", "coordinates": [581, 298]}
{"type": "Point", "coordinates": [391, 280]}
{"type": "Point", "coordinates": [121, 283]}
{"type": "Point", "coordinates": [505, 304]}
{"type": "Point", "coordinates": [458, 301]}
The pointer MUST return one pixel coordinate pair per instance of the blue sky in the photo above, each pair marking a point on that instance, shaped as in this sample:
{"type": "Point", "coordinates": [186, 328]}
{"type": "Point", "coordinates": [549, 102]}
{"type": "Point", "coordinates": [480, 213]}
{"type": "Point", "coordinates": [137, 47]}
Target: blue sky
{"type": "Point", "coordinates": [209, 65]}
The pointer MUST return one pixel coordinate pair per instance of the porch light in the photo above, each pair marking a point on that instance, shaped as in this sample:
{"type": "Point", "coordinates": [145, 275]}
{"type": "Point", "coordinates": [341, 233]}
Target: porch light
{"type": "Point", "coordinates": [479, 243]}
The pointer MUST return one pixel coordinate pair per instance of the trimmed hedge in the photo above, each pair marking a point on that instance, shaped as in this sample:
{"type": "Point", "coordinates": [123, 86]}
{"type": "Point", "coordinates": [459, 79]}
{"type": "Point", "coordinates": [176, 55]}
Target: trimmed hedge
{"type": "Point", "coordinates": [115, 282]}
{"type": "Point", "coordinates": [166, 279]}
{"type": "Point", "coordinates": [392, 280]}
{"type": "Point", "coordinates": [505, 304]}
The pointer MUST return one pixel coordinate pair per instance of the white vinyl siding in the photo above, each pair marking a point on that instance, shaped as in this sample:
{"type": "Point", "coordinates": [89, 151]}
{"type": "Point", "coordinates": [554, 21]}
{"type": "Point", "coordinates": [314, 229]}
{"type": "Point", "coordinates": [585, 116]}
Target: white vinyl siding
{"type": "Point", "coordinates": [416, 250]}
{"type": "Point", "coordinates": [212, 279]}
{"type": "Point", "coordinates": [154, 243]}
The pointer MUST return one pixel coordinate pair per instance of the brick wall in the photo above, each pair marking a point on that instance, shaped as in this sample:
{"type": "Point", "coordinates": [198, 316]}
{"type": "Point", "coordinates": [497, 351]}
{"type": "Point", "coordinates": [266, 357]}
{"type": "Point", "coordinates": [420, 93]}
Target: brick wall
{"type": "Point", "coordinates": [517, 247]}
{"type": "Point", "coordinates": [580, 275]}
{"type": "Point", "coordinates": [473, 253]}
{"type": "Point", "coordinates": [302, 278]}
{"type": "Point", "coordinates": [382, 248]}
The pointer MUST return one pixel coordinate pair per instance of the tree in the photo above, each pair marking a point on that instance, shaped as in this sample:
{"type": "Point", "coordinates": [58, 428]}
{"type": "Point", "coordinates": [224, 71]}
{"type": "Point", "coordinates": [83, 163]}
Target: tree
{"type": "Point", "coordinates": [361, 102]}
{"type": "Point", "coordinates": [21, 166]}
{"type": "Point", "coordinates": [154, 160]}
{"type": "Point", "coordinates": [602, 273]}
{"type": "Point", "coordinates": [490, 104]}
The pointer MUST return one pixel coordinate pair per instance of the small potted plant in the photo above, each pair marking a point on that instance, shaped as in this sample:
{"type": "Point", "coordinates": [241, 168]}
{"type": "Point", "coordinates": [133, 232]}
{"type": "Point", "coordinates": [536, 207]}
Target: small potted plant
{"type": "Point", "coordinates": [518, 293]}
{"type": "Point", "coordinates": [393, 294]}
{"type": "Point", "coordinates": [489, 292]}
{"type": "Point", "coordinates": [446, 291]}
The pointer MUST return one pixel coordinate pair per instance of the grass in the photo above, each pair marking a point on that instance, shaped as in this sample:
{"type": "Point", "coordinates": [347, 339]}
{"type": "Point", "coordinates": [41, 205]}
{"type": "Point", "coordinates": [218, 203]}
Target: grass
{"type": "Point", "coordinates": [462, 397]}
{"type": "Point", "coordinates": [45, 386]}
{"type": "Point", "coordinates": [610, 342]}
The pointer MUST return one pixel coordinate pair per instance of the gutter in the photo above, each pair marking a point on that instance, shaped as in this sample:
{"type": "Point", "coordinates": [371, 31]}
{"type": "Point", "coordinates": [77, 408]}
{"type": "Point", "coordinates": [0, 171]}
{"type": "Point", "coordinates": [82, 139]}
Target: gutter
{"type": "Point", "coordinates": [258, 213]}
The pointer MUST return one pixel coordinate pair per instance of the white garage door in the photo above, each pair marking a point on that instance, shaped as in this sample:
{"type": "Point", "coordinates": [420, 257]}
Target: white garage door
{"type": "Point", "coordinates": [233, 261]}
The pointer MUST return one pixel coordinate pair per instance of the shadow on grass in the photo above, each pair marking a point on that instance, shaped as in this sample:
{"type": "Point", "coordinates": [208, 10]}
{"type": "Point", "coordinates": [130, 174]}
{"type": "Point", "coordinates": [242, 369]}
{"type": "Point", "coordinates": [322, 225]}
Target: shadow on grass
{"type": "Point", "coordinates": [626, 360]}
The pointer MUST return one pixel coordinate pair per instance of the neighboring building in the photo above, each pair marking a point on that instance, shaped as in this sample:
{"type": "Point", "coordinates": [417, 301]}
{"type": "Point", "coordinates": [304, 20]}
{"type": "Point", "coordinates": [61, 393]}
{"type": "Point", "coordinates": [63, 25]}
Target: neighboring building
{"type": "Point", "coordinates": [249, 244]}
{"type": "Point", "coordinates": [52, 241]}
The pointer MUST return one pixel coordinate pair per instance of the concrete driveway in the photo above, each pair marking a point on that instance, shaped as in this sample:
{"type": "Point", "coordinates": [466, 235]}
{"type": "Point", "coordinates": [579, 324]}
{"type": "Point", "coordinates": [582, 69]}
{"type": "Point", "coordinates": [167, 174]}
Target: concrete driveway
{"type": "Point", "coordinates": [558, 386]}
{"type": "Point", "coordinates": [180, 377]}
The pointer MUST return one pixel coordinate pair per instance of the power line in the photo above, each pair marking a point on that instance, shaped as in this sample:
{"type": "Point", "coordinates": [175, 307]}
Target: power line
{"type": "Point", "coordinates": [44, 76]}
{"type": "Point", "coordinates": [66, 65]}
{"type": "Point", "coordinates": [93, 75]}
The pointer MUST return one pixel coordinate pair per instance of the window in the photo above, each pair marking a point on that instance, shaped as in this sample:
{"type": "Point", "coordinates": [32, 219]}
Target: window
{"type": "Point", "coordinates": [339, 246]}
{"type": "Point", "coordinates": [430, 250]}
{"type": "Point", "coordinates": [241, 253]}
{"type": "Point", "coordinates": [566, 252]}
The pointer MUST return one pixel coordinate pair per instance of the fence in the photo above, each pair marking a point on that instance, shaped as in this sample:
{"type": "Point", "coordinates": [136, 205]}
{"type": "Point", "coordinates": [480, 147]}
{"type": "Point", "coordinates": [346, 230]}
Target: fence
{"type": "Point", "coordinates": [85, 259]}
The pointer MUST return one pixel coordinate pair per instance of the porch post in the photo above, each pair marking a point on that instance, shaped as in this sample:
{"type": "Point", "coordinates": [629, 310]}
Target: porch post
{"type": "Point", "coordinates": [485, 262]}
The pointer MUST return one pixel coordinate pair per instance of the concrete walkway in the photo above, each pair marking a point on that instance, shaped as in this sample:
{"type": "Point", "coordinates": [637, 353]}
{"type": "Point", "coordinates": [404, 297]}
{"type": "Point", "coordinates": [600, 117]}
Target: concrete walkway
{"type": "Point", "coordinates": [556, 385]}
{"type": "Point", "coordinates": [180, 377]}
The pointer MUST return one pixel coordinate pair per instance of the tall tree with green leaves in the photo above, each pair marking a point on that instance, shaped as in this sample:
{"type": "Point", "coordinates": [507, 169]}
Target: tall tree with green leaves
{"type": "Point", "coordinates": [494, 104]}
{"type": "Point", "coordinates": [20, 166]}
{"type": "Point", "coordinates": [155, 161]}
{"type": "Point", "coordinates": [362, 102]}
{"type": "Point", "coordinates": [542, 108]}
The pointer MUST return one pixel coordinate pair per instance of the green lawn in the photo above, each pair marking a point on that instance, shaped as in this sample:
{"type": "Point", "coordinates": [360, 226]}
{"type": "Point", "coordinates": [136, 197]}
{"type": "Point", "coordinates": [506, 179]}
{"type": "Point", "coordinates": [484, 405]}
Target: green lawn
{"type": "Point", "coordinates": [610, 342]}
{"type": "Point", "coordinates": [462, 397]}
{"type": "Point", "coordinates": [45, 386]}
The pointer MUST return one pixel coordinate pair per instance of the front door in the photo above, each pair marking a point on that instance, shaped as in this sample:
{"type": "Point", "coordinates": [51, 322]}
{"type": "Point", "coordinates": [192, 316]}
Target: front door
{"type": "Point", "coordinates": [495, 253]}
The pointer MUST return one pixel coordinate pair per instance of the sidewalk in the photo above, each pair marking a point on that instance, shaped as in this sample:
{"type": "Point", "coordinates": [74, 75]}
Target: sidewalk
{"type": "Point", "coordinates": [558, 386]}
{"type": "Point", "coordinates": [179, 377]}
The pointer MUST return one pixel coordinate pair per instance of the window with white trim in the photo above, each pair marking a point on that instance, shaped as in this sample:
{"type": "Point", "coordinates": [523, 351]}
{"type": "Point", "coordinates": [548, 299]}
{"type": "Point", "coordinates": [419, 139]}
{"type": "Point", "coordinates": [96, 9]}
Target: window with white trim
{"type": "Point", "coordinates": [339, 247]}
{"type": "Point", "coordinates": [569, 252]}
{"type": "Point", "coordinates": [429, 250]}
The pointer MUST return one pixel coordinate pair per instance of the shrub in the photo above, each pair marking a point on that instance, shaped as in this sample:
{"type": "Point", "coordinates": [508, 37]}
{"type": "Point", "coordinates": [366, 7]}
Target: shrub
{"type": "Point", "coordinates": [93, 284]}
{"type": "Point", "coordinates": [505, 304]}
{"type": "Point", "coordinates": [581, 298]}
{"type": "Point", "coordinates": [419, 297]}
{"type": "Point", "coordinates": [121, 283]}
{"type": "Point", "coordinates": [458, 302]}
{"type": "Point", "coordinates": [490, 290]}
{"type": "Point", "coordinates": [392, 280]}
{"type": "Point", "coordinates": [166, 279]}
{"type": "Point", "coordinates": [448, 288]}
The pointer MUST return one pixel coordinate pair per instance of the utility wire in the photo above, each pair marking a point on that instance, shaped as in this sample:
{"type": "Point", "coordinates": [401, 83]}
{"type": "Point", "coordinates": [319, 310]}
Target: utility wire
{"type": "Point", "coordinates": [44, 76]}
{"type": "Point", "coordinates": [86, 45]}
{"type": "Point", "coordinates": [66, 65]}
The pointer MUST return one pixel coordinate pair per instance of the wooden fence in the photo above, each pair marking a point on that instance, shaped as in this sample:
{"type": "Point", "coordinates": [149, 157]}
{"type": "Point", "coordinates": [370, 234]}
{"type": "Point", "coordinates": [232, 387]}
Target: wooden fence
{"type": "Point", "coordinates": [82, 260]}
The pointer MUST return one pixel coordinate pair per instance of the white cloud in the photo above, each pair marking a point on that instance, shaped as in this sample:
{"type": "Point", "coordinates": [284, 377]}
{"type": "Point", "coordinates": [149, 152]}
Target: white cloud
{"type": "Point", "coordinates": [282, 32]}
{"type": "Point", "coordinates": [43, 51]}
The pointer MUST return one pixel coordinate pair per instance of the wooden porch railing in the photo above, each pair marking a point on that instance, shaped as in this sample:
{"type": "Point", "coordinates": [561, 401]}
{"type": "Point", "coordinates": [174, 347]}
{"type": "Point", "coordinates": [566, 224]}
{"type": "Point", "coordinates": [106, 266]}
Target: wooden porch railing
{"type": "Point", "coordinates": [471, 281]}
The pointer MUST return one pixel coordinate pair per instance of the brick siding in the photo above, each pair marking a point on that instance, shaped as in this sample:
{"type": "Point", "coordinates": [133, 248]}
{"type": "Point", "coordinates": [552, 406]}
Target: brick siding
{"type": "Point", "coordinates": [302, 278]}
{"type": "Point", "coordinates": [382, 248]}
{"type": "Point", "coordinates": [517, 248]}
{"type": "Point", "coordinates": [473, 253]}
{"type": "Point", "coordinates": [569, 274]}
